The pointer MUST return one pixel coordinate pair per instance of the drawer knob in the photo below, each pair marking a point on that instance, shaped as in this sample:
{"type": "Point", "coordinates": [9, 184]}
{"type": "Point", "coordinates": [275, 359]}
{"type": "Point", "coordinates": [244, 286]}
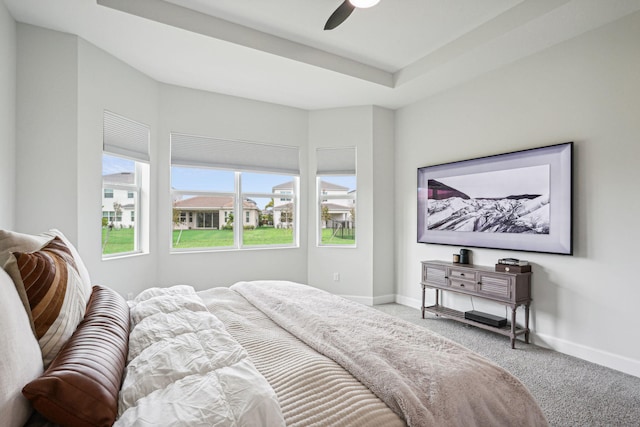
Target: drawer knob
{"type": "Point", "coordinates": [462, 274]}
{"type": "Point", "coordinates": [462, 285]}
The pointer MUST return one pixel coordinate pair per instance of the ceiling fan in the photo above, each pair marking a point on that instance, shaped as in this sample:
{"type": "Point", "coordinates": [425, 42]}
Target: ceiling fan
{"type": "Point", "coordinates": [344, 10]}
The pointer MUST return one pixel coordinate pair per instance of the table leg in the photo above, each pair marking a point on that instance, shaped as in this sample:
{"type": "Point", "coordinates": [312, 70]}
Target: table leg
{"type": "Point", "coordinates": [526, 323]}
{"type": "Point", "coordinates": [513, 327]}
{"type": "Point", "coordinates": [423, 291]}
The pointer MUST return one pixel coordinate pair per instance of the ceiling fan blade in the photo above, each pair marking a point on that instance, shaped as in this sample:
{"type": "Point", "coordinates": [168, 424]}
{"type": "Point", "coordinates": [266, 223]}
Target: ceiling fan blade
{"type": "Point", "coordinates": [339, 15]}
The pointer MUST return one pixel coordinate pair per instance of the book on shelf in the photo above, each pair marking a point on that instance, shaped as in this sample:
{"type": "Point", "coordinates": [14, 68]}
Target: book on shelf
{"type": "Point", "coordinates": [513, 261]}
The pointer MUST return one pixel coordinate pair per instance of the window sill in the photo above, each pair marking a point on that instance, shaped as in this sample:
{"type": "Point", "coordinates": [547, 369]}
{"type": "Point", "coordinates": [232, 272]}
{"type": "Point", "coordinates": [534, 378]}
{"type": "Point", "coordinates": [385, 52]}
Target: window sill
{"type": "Point", "coordinates": [124, 255]}
{"type": "Point", "coordinates": [230, 249]}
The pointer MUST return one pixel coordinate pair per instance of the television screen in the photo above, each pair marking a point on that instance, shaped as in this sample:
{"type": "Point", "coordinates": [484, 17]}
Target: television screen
{"type": "Point", "coordinates": [520, 201]}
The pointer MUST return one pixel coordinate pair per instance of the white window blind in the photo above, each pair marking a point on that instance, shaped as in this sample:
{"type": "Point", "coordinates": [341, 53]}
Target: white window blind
{"type": "Point", "coordinates": [124, 137]}
{"type": "Point", "coordinates": [336, 161]}
{"type": "Point", "coordinates": [199, 151]}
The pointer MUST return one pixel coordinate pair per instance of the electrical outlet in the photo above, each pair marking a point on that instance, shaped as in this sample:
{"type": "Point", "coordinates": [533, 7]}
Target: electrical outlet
{"type": "Point", "coordinates": [336, 277]}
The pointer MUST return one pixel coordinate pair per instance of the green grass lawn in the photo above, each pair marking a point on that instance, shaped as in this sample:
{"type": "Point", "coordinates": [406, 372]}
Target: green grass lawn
{"type": "Point", "coordinates": [219, 238]}
{"type": "Point", "coordinates": [117, 240]}
{"type": "Point", "coordinates": [121, 240]}
{"type": "Point", "coordinates": [329, 239]}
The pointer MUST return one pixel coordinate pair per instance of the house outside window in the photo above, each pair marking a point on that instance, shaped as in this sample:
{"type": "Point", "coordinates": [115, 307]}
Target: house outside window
{"type": "Point", "coordinates": [222, 184]}
{"type": "Point", "coordinates": [336, 196]}
{"type": "Point", "coordinates": [125, 180]}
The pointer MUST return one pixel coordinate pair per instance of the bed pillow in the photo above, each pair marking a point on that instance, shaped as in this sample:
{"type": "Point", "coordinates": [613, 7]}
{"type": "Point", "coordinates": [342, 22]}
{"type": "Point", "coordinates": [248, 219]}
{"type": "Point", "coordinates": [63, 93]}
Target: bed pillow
{"type": "Point", "coordinates": [57, 298]}
{"type": "Point", "coordinates": [21, 359]}
{"type": "Point", "coordinates": [10, 241]}
{"type": "Point", "coordinates": [80, 387]}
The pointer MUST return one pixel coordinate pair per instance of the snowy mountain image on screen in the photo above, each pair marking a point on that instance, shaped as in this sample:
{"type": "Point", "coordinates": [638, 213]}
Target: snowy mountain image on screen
{"type": "Point", "coordinates": [508, 201]}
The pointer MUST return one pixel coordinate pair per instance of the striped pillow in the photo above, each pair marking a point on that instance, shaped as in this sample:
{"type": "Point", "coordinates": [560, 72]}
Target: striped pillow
{"type": "Point", "coordinates": [57, 297]}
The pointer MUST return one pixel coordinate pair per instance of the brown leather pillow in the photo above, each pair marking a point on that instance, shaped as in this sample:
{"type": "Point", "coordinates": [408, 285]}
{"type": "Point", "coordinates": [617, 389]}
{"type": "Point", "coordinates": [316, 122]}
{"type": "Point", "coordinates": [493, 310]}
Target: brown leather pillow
{"type": "Point", "coordinates": [80, 387]}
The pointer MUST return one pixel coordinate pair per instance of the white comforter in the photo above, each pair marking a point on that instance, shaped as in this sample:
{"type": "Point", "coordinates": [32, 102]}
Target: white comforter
{"type": "Point", "coordinates": [184, 369]}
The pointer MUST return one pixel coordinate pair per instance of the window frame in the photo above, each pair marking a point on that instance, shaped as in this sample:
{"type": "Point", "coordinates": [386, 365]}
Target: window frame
{"type": "Point", "coordinates": [332, 163]}
{"type": "Point", "coordinates": [322, 196]}
{"type": "Point", "coordinates": [238, 212]}
{"type": "Point", "coordinates": [129, 139]}
{"type": "Point", "coordinates": [140, 168]}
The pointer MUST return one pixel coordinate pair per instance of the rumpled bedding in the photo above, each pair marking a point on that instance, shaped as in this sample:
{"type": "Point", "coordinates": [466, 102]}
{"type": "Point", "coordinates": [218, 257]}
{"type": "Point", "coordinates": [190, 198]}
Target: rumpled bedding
{"type": "Point", "coordinates": [423, 377]}
{"type": "Point", "coordinates": [184, 369]}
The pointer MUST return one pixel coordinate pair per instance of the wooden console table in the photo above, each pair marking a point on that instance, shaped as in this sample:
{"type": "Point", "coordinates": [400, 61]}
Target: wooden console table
{"type": "Point", "coordinates": [510, 289]}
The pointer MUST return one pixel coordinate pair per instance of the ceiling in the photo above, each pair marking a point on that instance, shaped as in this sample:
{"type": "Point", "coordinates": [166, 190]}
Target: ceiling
{"type": "Point", "coordinates": [390, 55]}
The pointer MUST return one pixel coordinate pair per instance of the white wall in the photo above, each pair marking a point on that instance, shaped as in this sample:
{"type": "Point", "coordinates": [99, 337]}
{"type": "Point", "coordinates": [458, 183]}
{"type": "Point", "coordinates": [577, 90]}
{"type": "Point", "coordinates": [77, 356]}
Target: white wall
{"type": "Point", "coordinates": [220, 116]}
{"type": "Point", "coordinates": [64, 85]}
{"type": "Point", "coordinates": [46, 150]}
{"type": "Point", "coordinates": [60, 118]}
{"type": "Point", "coordinates": [585, 90]}
{"type": "Point", "coordinates": [7, 116]}
{"type": "Point", "coordinates": [348, 127]}
{"type": "Point", "coordinates": [384, 205]}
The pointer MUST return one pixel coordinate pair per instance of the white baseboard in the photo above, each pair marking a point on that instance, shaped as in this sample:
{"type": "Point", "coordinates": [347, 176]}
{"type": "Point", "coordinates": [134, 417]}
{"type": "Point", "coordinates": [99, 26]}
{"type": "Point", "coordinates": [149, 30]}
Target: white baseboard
{"type": "Point", "coordinates": [381, 299]}
{"type": "Point", "coordinates": [384, 299]}
{"type": "Point", "coordinates": [590, 354]}
{"type": "Point", "coordinates": [409, 302]}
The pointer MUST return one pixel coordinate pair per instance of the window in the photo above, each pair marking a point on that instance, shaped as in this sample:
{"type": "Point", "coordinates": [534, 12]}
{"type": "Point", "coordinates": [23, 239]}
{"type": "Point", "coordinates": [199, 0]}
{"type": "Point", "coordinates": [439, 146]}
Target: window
{"type": "Point", "coordinates": [112, 216]}
{"type": "Point", "coordinates": [225, 183]}
{"type": "Point", "coordinates": [285, 199]}
{"type": "Point", "coordinates": [336, 196]}
{"type": "Point", "coordinates": [125, 179]}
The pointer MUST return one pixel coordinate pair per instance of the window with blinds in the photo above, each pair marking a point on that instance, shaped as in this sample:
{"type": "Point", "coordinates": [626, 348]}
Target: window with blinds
{"type": "Point", "coordinates": [336, 196]}
{"type": "Point", "coordinates": [125, 166]}
{"type": "Point", "coordinates": [226, 194]}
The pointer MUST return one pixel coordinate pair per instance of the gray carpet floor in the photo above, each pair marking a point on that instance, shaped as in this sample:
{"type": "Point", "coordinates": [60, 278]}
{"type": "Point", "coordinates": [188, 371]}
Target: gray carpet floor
{"type": "Point", "coordinates": [570, 391]}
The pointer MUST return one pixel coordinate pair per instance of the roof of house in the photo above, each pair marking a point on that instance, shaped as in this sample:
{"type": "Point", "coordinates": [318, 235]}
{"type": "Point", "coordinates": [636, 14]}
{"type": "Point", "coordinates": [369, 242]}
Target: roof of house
{"type": "Point", "coordinates": [324, 185]}
{"type": "Point", "coordinates": [212, 202]}
{"type": "Point", "coordinates": [119, 178]}
{"type": "Point", "coordinates": [337, 207]}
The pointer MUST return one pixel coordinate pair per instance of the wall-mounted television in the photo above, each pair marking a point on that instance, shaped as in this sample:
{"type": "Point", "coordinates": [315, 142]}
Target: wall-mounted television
{"type": "Point", "coordinates": [520, 200]}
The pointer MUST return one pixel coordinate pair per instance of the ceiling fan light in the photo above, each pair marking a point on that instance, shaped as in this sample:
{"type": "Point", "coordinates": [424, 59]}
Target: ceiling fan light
{"type": "Point", "coordinates": [364, 3]}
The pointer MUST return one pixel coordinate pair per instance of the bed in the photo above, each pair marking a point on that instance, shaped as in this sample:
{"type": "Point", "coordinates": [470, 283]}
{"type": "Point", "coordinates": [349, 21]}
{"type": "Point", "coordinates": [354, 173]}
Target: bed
{"type": "Point", "coordinates": [269, 353]}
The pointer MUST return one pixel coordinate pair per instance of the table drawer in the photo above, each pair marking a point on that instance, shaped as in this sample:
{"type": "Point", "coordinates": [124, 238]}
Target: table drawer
{"type": "Point", "coordinates": [462, 284]}
{"type": "Point", "coordinates": [462, 274]}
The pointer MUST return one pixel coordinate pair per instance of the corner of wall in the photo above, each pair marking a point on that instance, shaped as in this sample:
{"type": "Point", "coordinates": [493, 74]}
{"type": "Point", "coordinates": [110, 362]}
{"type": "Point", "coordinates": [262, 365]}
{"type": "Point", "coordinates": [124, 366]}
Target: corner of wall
{"type": "Point", "coordinates": [8, 65]}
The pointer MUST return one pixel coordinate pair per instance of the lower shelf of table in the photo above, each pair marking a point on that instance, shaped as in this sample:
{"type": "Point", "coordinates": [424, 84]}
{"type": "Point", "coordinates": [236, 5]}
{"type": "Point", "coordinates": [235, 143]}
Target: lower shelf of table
{"type": "Point", "coordinates": [450, 313]}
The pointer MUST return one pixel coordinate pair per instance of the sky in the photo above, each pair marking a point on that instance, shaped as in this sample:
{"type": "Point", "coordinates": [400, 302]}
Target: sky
{"type": "Point", "coordinates": [502, 183]}
{"type": "Point", "coordinates": [198, 179]}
